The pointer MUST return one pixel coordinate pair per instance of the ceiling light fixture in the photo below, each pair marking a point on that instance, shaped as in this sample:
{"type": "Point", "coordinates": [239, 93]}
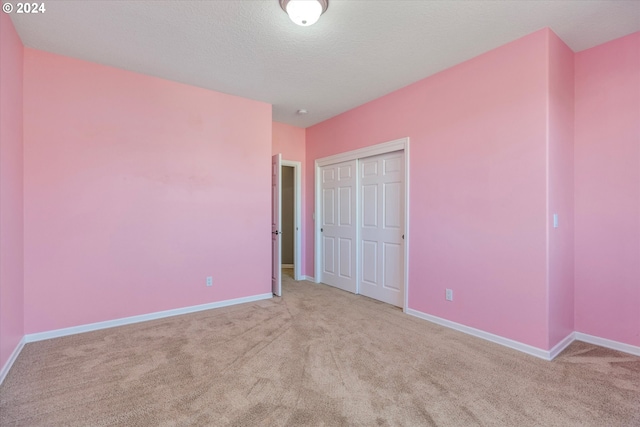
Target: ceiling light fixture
{"type": "Point", "coordinates": [304, 12]}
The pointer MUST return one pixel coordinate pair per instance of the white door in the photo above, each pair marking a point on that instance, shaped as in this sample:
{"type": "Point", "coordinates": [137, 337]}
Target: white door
{"type": "Point", "coordinates": [382, 227]}
{"type": "Point", "coordinates": [338, 226]}
{"type": "Point", "coordinates": [276, 241]}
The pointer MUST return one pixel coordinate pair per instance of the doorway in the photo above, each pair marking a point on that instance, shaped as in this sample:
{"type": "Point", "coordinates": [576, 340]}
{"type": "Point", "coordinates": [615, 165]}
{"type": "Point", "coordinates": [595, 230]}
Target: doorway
{"type": "Point", "coordinates": [288, 216]}
{"type": "Point", "coordinates": [286, 222]}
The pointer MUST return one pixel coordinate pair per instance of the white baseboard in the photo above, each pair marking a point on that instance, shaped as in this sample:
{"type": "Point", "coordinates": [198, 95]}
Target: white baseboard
{"type": "Point", "coordinates": [7, 366]}
{"type": "Point", "coordinates": [604, 342]}
{"type": "Point", "coordinates": [309, 278]}
{"type": "Point", "coordinates": [141, 318]}
{"type": "Point", "coordinates": [564, 343]}
{"type": "Point", "coordinates": [287, 265]}
{"type": "Point", "coordinates": [525, 348]}
{"type": "Point", "coordinates": [516, 345]}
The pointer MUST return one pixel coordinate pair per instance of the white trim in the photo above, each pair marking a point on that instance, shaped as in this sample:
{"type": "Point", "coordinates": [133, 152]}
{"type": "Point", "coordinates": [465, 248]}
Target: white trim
{"type": "Point", "coordinates": [297, 215]}
{"type": "Point", "coordinates": [604, 342]}
{"type": "Point", "coordinates": [276, 223]}
{"type": "Point", "coordinates": [317, 220]}
{"type": "Point", "coordinates": [373, 150]}
{"type": "Point", "coordinates": [516, 345]}
{"type": "Point", "coordinates": [564, 343]}
{"type": "Point", "coordinates": [525, 348]}
{"type": "Point", "coordinates": [287, 265]}
{"type": "Point", "coordinates": [14, 355]}
{"type": "Point", "coordinates": [309, 278]}
{"type": "Point", "coordinates": [141, 318]}
{"type": "Point", "coordinates": [358, 226]}
{"type": "Point", "coordinates": [406, 226]}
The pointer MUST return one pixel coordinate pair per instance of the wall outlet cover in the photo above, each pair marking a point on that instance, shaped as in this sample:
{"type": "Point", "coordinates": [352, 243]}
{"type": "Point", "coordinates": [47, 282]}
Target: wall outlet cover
{"type": "Point", "coordinates": [449, 294]}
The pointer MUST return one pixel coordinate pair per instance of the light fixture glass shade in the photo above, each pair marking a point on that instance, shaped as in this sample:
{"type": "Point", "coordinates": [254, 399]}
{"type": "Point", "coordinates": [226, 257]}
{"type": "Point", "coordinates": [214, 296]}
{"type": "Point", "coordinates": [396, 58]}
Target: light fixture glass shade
{"type": "Point", "coordinates": [304, 12]}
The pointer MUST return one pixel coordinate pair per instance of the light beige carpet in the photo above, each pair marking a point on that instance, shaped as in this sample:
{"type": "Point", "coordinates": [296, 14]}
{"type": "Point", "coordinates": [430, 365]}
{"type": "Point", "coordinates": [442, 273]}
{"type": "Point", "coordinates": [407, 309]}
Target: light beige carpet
{"type": "Point", "coordinates": [317, 356]}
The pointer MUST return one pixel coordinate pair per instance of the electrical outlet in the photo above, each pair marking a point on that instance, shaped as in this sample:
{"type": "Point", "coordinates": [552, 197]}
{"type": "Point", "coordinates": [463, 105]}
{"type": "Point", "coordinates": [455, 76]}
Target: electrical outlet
{"type": "Point", "coordinates": [209, 281]}
{"type": "Point", "coordinates": [449, 294]}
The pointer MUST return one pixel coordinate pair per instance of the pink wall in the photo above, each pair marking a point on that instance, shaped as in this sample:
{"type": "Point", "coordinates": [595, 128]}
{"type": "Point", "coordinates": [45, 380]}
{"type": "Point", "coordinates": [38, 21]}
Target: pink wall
{"type": "Point", "coordinates": [607, 190]}
{"type": "Point", "coordinates": [11, 197]}
{"type": "Point", "coordinates": [290, 141]}
{"type": "Point", "coordinates": [478, 186]}
{"type": "Point", "coordinates": [560, 182]}
{"type": "Point", "coordinates": [135, 190]}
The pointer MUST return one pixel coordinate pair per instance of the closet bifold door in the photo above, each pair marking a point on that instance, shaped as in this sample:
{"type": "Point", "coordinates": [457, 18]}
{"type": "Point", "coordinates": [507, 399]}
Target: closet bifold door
{"type": "Point", "coordinates": [381, 226]}
{"type": "Point", "coordinates": [339, 226]}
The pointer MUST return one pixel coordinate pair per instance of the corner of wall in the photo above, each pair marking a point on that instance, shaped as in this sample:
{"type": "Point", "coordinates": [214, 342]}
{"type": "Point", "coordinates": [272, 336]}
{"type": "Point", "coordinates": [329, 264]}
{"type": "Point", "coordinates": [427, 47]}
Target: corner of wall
{"type": "Point", "coordinates": [560, 171]}
{"type": "Point", "coordinates": [607, 190]}
{"type": "Point", "coordinates": [11, 195]}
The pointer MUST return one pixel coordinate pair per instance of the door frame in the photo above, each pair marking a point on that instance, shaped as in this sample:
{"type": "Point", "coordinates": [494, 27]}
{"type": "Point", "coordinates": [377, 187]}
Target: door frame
{"type": "Point", "coordinates": [297, 213]}
{"type": "Point", "coordinates": [373, 150]}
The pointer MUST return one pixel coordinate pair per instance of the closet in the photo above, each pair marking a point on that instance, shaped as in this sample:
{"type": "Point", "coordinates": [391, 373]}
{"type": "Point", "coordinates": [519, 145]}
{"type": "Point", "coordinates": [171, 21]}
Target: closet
{"type": "Point", "coordinates": [361, 223]}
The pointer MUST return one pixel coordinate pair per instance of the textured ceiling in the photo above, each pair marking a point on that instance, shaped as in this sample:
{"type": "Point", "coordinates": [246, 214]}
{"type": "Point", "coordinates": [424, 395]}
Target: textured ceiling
{"type": "Point", "coordinates": [358, 51]}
